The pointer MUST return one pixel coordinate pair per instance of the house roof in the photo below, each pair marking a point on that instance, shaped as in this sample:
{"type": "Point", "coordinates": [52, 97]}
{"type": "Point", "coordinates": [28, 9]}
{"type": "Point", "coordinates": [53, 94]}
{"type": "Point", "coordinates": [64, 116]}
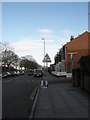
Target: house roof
{"type": "Point", "coordinates": [77, 37]}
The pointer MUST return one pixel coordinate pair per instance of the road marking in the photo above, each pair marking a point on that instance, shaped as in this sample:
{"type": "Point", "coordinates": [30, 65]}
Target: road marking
{"type": "Point", "coordinates": [34, 104]}
{"type": "Point", "coordinates": [33, 93]}
{"type": "Point", "coordinates": [44, 87]}
{"type": "Point", "coordinates": [44, 84]}
{"type": "Point", "coordinates": [41, 83]}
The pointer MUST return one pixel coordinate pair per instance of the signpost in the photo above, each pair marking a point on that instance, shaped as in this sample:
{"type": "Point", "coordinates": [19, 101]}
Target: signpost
{"type": "Point", "coordinates": [72, 57]}
{"type": "Point", "coordinates": [46, 59]}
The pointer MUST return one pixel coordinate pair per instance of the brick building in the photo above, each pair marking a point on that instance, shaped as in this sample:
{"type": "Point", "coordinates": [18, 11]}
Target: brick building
{"type": "Point", "coordinates": [75, 49]}
{"type": "Point", "coordinates": [57, 60]}
{"type": "Point", "coordinates": [60, 64]}
{"type": "Point", "coordinates": [52, 67]}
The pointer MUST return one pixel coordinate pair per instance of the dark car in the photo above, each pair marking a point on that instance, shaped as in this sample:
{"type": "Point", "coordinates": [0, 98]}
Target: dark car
{"type": "Point", "coordinates": [13, 73]}
{"type": "Point", "coordinates": [8, 74]}
{"type": "Point", "coordinates": [18, 73]}
{"type": "Point", "coordinates": [5, 74]}
{"type": "Point", "coordinates": [21, 72]}
{"type": "Point", "coordinates": [38, 72]}
{"type": "Point", "coordinates": [30, 72]}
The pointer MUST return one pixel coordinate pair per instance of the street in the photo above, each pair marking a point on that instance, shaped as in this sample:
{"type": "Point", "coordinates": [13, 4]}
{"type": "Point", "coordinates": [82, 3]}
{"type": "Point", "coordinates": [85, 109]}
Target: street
{"type": "Point", "coordinates": [45, 60]}
{"type": "Point", "coordinates": [16, 93]}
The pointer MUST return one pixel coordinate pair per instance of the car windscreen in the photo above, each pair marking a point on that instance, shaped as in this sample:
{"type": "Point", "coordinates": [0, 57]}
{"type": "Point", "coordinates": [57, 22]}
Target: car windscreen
{"type": "Point", "coordinates": [38, 71]}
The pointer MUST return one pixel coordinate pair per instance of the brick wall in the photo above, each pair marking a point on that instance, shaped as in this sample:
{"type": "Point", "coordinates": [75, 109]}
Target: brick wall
{"type": "Point", "coordinates": [79, 45]}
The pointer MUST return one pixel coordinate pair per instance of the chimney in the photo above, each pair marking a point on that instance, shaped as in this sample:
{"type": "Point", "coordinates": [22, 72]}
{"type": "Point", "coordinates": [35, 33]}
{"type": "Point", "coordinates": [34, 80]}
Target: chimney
{"type": "Point", "coordinates": [72, 37]}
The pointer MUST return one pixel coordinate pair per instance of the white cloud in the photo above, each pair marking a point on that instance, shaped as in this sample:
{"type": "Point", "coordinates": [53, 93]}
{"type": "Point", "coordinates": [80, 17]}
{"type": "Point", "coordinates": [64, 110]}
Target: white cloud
{"type": "Point", "coordinates": [50, 40]}
{"type": "Point", "coordinates": [34, 47]}
{"type": "Point", "coordinates": [28, 46]}
{"type": "Point", "coordinates": [47, 34]}
{"type": "Point", "coordinates": [46, 30]}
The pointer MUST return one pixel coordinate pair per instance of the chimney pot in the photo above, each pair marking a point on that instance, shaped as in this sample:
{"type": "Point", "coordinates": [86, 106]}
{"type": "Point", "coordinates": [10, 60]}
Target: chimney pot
{"type": "Point", "coordinates": [72, 37]}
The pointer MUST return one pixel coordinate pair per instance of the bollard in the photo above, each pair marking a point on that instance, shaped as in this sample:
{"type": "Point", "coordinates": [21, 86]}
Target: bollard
{"type": "Point", "coordinates": [41, 83]}
{"type": "Point", "coordinates": [46, 83]}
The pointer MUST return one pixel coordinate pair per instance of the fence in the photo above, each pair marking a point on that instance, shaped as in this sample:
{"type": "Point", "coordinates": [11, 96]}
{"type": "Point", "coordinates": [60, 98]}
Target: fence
{"type": "Point", "coordinates": [81, 79]}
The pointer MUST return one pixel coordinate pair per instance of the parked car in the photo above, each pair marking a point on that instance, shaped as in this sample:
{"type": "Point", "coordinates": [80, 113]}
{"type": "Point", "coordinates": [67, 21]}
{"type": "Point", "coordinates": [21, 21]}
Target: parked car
{"type": "Point", "coordinates": [38, 72]}
{"type": "Point", "coordinates": [13, 73]}
{"type": "Point", "coordinates": [22, 72]}
{"type": "Point", "coordinates": [8, 74]}
{"type": "Point", "coordinates": [30, 72]}
{"type": "Point", "coordinates": [4, 74]}
{"type": "Point", "coordinates": [18, 73]}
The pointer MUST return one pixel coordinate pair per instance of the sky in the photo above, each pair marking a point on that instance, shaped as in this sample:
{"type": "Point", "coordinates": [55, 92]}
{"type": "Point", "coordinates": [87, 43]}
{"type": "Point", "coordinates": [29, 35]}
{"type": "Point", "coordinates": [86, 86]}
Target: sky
{"type": "Point", "coordinates": [24, 24]}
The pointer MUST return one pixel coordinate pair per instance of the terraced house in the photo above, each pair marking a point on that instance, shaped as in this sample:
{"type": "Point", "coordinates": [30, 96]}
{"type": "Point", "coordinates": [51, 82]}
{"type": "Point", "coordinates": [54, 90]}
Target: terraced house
{"type": "Point", "coordinates": [69, 55]}
{"type": "Point", "coordinates": [75, 49]}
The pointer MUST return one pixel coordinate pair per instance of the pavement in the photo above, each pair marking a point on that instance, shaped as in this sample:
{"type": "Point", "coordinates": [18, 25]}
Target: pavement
{"type": "Point", "coordinates": [61, 100]}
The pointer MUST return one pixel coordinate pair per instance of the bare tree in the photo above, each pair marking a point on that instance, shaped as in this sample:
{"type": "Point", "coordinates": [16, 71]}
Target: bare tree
{"type": "Point", "coordinates": [27, 64]}
{"type": "Point", "coordinates": [8, 56]}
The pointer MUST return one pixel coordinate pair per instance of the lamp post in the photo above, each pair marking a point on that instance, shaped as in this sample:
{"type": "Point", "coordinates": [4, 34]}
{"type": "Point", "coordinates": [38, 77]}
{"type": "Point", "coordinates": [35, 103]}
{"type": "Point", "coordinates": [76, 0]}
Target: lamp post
{"type": "Point", "coordinates": [44, 49]}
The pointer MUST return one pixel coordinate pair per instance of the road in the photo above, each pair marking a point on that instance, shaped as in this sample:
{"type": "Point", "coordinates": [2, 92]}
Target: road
{"type": "Point", "coordinates": [16, 93]}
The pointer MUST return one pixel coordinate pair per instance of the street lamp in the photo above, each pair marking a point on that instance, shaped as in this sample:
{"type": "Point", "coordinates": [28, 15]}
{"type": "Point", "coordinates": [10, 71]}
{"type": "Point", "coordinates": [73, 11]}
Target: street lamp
{"type": "Point", "coordinates": [44, 49]}
{"type": "Point", "coordinates": [44, 46]}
